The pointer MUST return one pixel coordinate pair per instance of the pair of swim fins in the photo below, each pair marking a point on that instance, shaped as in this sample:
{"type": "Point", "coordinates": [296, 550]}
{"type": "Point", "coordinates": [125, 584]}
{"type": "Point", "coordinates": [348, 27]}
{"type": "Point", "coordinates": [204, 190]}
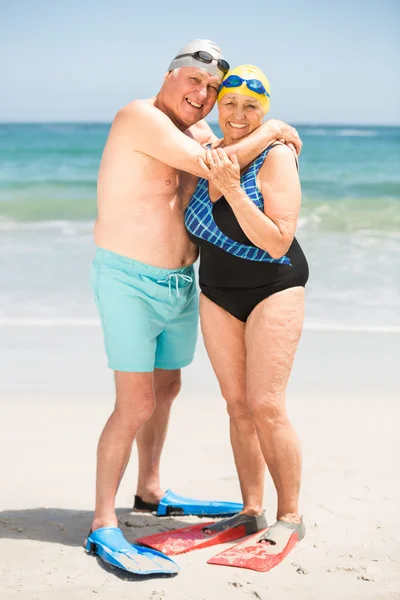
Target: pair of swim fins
{"type": "Point", "coordinates": [110, 545]}
{"type": "Point", "coordinates": [262, 549]}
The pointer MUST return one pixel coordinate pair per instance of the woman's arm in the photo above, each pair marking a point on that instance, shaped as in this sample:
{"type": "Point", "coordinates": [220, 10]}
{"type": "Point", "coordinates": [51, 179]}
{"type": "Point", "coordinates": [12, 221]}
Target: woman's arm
{"type": "Point", "coordinates": [273, 230]}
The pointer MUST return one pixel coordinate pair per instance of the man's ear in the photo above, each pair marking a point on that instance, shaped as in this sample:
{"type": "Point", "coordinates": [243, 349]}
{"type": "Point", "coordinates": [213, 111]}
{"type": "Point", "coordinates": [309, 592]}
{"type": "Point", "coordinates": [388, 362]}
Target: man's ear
{"type": "Point", "coordinates": [172, 73]}
{"type": "Point", "coordinates": [169, 74]}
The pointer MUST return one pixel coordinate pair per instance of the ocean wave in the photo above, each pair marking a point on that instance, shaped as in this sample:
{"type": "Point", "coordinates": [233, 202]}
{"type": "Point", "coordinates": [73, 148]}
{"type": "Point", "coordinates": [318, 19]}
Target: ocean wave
{"type": "Point", "coordinates": [62, 226]}
{"type": "Point", "coordinates": [368, 214]}
{"type": "Point", "coordinates": [342, 131]}
{"type": "Point", "coordinates": [351, 214]}
{"type": "Point", "coordinates": [356, 133]}
{"type": "Point", "coordinates": [327, 187]}
{"type": "Point", "coordinates": [43, 208]}
{"type": "Point", "coordinates": [317, 132]}
{"type": "Point", "coordinates": [41, 183]}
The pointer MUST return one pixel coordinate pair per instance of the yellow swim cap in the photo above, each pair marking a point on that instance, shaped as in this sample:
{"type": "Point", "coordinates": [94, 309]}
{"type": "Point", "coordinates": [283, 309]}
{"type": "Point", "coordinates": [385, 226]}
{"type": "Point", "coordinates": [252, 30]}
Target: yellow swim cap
{"type": "Point", "coordinates": [248, 73]}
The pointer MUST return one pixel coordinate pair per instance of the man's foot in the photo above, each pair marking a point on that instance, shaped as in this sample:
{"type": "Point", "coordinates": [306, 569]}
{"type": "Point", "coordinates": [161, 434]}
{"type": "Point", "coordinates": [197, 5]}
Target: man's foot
{"type": "Point", "coordinates": [100, 523]}
{"type": "Point", "coordinates": [148, 501]}
{"type": "Point", "coordinates": [149, 497]}
{"type": "Point", "coordinates": [110, 545]}
{"type": "Point", "coordinates": [172, 504]}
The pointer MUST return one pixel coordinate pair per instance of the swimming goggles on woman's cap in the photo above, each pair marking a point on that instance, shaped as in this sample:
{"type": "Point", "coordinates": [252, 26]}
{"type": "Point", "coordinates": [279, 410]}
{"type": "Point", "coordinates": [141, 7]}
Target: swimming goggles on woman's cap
{"type": "Point", "coordinates": [255, 85]}
{"type": "Point", "coordinates": [206, 57]}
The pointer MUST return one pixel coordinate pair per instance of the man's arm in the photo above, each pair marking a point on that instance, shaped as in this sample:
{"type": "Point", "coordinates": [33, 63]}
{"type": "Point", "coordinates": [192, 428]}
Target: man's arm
{"type": "Point", "coordinates": [203, 133]}
{"type": "Point", "coordinates": [151, 132]}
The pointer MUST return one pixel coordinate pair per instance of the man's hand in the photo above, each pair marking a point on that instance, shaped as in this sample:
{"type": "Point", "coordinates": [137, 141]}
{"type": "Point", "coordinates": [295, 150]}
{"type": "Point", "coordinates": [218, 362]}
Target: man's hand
{"type": "Point", "coordinates": [286, 134]}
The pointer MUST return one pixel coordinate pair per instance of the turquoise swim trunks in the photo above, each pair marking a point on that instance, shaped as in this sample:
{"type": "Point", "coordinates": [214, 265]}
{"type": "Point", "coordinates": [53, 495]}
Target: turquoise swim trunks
{"type": "Point", "coordinates": [149, 315]}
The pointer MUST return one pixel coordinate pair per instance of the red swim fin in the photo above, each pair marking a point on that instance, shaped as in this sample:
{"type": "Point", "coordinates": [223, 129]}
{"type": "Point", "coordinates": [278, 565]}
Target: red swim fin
{"type": "Point", "coordinates": [253, 554]}
{"type": "Point", "coordinates": [195, 537]}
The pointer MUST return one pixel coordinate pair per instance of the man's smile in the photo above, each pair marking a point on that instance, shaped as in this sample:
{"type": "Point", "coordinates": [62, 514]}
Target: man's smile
{"type": "Point", "coordinates": [193, 103]}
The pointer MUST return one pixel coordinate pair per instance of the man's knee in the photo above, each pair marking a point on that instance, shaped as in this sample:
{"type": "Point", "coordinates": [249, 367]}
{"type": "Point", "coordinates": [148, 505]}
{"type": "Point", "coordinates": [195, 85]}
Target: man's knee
{"type": "Point", "coordinates": [135, 401]}
{"type": "Point", "coordinates": [136, 413]}
{"type": "Point", "coordinates": [168, 387]}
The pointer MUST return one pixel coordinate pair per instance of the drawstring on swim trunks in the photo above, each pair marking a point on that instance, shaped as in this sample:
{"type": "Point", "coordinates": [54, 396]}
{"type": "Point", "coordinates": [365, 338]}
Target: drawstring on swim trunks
{"type": "Point", "coordinates": [176, 276]}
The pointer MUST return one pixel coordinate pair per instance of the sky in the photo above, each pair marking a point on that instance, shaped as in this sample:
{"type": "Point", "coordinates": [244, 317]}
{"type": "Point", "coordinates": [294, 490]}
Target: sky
{"type": "Point", "coordinates": [327, 61]}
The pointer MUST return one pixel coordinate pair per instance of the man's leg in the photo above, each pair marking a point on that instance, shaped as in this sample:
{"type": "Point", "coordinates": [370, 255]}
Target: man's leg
{"type": "Point", "coordinates": [134, 406]}
{"type": "Point", "coordinates": [272, 335]}
{"type": "Point", "coordinates": [151, 436]}
{"type": "Point", "coordinates": [175, 350]}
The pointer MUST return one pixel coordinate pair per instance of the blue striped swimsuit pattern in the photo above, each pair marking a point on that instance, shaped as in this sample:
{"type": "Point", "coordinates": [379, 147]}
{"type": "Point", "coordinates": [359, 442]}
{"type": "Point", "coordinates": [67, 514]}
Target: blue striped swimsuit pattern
{"type": "Point", "coordinates": [200, 222]}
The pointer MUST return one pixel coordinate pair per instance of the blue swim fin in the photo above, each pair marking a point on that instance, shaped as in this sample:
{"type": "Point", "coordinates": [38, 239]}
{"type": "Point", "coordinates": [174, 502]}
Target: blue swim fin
{"type": "Point", "coordinates": [110, 545]}
{"type": "Point", "coordinates": [172, 504]}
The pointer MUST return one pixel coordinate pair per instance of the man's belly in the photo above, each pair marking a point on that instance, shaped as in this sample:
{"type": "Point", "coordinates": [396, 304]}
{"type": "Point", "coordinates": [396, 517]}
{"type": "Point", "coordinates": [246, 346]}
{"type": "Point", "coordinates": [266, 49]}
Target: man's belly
{"type": "Point", "coordinates": [158, 242]}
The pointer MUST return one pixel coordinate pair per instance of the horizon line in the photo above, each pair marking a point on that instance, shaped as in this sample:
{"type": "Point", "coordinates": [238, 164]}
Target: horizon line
{"type": "Point", "coordinates": [299, 123]}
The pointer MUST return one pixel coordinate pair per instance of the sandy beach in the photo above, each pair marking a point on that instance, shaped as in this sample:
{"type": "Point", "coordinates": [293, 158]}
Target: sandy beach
{"type": "Point", "coordinates": [56, 394]}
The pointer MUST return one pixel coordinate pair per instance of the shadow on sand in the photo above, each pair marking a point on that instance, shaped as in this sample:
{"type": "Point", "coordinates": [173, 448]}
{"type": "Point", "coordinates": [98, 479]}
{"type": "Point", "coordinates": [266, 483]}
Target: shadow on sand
{"type": "Point", "coordinates": [70, 528]}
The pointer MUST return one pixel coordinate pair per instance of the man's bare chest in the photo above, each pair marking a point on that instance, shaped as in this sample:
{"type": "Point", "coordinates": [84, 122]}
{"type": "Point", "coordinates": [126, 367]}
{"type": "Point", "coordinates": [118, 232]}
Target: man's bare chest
{"type": "Point", "coordinates": [165, 180]}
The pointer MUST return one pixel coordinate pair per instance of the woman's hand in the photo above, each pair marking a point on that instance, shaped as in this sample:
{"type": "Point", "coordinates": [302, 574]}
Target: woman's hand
{"type": "Point", "coordinates": [222, 171]}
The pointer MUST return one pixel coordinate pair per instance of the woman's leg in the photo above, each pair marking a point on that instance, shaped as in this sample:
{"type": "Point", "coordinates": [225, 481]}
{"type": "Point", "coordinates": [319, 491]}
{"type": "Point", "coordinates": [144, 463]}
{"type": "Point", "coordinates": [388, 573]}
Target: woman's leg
{"type": "Point", "coordinates": [225, 343]}
{"type": "Point", "coordinates": [272, 334]}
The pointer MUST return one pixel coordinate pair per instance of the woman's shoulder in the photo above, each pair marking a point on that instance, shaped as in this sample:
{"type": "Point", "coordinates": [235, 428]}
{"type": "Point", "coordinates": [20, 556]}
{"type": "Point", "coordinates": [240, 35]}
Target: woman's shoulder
{"type": "Point", "coordinates": [279, 152]}
{"type": "Point", "coordinates": [280, 148]}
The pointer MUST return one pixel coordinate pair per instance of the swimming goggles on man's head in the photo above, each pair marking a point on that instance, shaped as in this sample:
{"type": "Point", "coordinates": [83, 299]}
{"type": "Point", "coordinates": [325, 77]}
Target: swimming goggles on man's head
{"type": "Point", "coordinates": [255, 85]}
{"type": "Point", "coordinates": [208, 58]}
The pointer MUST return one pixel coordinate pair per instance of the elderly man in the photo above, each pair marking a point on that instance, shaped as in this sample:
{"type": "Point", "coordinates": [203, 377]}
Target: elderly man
{"type": "Point", "coordinates": [143, 277]}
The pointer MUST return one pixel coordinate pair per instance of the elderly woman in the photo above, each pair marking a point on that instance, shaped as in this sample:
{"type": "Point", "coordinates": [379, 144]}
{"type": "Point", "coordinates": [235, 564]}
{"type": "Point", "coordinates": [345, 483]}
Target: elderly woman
{"type": "Point", "coordinates": [252, 277]}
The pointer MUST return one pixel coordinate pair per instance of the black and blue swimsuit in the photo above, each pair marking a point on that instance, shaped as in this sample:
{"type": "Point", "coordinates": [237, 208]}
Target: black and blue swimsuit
{"type": "Point", "coordinates": [234, 273]}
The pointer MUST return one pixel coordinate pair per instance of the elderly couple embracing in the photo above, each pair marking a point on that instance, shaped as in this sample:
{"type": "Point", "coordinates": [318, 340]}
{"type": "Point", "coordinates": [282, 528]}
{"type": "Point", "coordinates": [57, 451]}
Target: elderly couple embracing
{"type": "Point", "coordinates": [169, 190]}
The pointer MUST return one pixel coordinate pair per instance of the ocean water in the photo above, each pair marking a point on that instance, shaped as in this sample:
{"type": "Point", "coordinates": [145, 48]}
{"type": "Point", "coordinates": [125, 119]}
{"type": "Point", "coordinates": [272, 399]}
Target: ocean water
{"type": "Point", "coordinates": [349, 225]}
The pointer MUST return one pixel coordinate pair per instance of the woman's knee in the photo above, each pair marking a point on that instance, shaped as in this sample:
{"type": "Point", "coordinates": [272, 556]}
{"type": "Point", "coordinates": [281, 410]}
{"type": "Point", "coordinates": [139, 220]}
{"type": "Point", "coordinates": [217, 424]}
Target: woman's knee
{"type": "Point", "coordinates": [269, 410]}
{"type": "Point", "coordinates": [236, 404]}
